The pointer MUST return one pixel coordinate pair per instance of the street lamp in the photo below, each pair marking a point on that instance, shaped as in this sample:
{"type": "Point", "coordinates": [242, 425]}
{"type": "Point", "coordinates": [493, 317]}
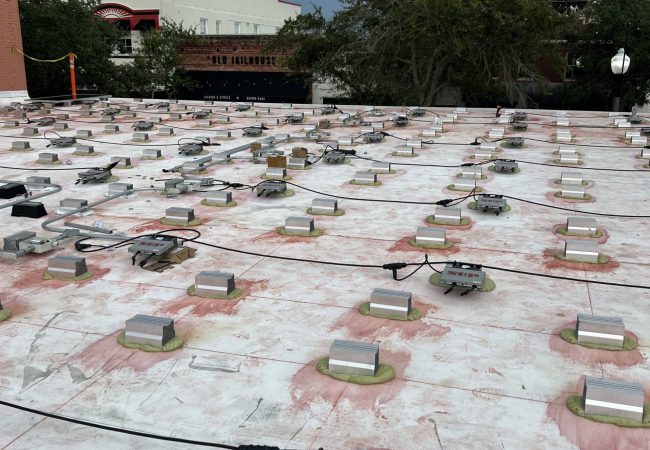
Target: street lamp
{"type": "Point", "coordinates": [620, 64]}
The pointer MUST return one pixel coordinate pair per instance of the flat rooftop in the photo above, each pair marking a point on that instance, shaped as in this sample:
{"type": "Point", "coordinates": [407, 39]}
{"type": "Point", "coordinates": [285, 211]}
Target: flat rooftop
{"type": "Point", "coordinates": [485, 370]}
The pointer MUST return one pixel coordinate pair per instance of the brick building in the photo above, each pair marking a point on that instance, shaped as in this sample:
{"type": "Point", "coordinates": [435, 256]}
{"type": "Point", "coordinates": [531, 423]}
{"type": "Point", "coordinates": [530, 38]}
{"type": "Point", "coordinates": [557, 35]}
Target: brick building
{"type": "Point", "coordinates": [13, 83]}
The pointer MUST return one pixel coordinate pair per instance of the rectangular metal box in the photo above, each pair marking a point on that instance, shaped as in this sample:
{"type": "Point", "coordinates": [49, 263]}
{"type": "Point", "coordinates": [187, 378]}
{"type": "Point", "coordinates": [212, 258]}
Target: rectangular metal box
{"type": "Point", "coordinates": [584, 251]}
{"type": "Point", "coordinates": [431, 235]}
{"type": "Point", "coordinates": [450, 216]}
{"type": "Point", "coordinates": [404, 151]}
{"type": "Point", "coordinates": [179, 215]}
{"type": "Point", "coordinates": [166, 131]}
{"type": "Point", "coordinates": [84, 149]}
{"type": "Point", "coordinates": [496, 133]}
{"type": "Point", "coordinates": [345, 140]}
{"type": "Point", "coordinates": [66, 267]}
{"type": "Point", "coordinates": [429, 132]}
{"type": "Point", "coordinates": [20, 145]}
{"type": "Point", "coordinates": [471, 172]}
{"type": "Point", "coordinates": [464, 184]}
{"type": "Point", "coordinates": [140, 137]}
{"type": "Point", "coordinates": [211, 284]}
{"type": "Point", "coordinates": [222, 134]}
{"type": "Point", "coordinates": [581, 226]}
{"type": "Point", "coordinates": [299, 225]}
{"type": "Point", "coordinates": [566, 150]}
{"type": "Point", "coordinates": [600, 330]}
{"type": "Point", "coordinates": [491, 202]}
{"type": "Point", "coordinates": [10, 243]}
{"type": "Point", "coordinates": [83, 134]}
{"type": "Point", "coordinates": [573, 191]}
{"type": "Point", "coordinates": [489, 146]}
{"type": "Point", "coordinates": [324, 205]}
{"type": "Point", "coordinates": [483, 154]}
{"type": "Point", "coordinates": [613, 398]}
{"type": "Point", "coordinates": [463, 275]}
{"type": "Point", "coordinates": [111, 128]}
{"type": "Point", "coordinates": [116, 188]}
{"type": "Point", "coordinates": [149, 330]}
{"type": "Point", "coordinates": [218, 198]}
{"type": "Point", "coordinates": [60, 126]}
{"type": "Point", "coordinates": [380, 167]}
{"type": "Point", "coordinates": [38, 180]}
{"type": "Point", "coordinates": [571, 178]}
{"type": "Point", "coordinates": [151, 153]}
{"type": "Point", "coordinates": [639, 140]}
{"type": "Point", "coordinates": [276, 161]}
{"type": "Point", "coordinates": [386, 301]}
{"type": "Point", "coordinates": [47, 158]}
{"type": "Point", "coordinates": [30, 131]}
{"type": "Point", "coordinates": [296, 163]}
{"type": "Point", "coordinates": [73, 203]}
{"type": "Point", "coordinates": [275, 172]}
{"type": "Point", "coordinates": [353, 357]}
{"type": "Point", "coordinates": [154, 245]}
{"type": "Point", "coordinates": [570, 159]}
{"type": "Point", "coordinates": [122, 161]}
{"type": "Point", "coordinates": [369, 178]}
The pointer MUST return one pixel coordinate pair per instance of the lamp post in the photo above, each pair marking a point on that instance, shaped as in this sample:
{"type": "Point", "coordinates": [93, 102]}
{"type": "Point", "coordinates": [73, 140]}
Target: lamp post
{"type": "Point", "coordinates": [620, 63]}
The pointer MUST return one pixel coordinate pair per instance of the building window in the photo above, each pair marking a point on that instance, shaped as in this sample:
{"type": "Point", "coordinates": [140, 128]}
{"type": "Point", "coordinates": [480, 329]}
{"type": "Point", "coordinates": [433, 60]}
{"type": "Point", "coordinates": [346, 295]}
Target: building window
{"type": "Point", "coordinates": [256, 28]}
{"type": "Point", "coordinates": [237, 27]}
{"type": "Point", "coordinates": [217, 27]}
{"type": "Point", "coordinates": [572, 63]}
{"type": "Point", "coordinates": [203, 26]}
{"type": "Point", "coordinates": [125, 44]}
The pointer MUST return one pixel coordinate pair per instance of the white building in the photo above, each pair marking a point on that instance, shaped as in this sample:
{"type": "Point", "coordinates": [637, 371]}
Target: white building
{"type": "Point", "coordinates": [207, 16]}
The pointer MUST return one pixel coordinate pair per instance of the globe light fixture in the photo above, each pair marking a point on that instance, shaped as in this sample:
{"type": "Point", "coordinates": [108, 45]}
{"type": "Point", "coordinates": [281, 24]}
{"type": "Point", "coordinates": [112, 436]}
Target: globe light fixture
{"type": "Point", "coordinates": [617, 64]}
{"type": "Point", "coordinates": [620, 64]}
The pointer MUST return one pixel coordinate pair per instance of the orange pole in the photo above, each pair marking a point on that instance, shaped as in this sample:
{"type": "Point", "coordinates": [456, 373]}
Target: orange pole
{"type": "Point", "coordinates": [73, 80]}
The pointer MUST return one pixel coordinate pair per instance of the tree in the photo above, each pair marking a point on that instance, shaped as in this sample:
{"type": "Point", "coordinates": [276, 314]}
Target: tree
{"type": "Point", "coordinates": [53, 28]}
{"type": "Point", "coordinates": [157, 63]}
{"type": "Point", "coordinates": [411, 51]}
{"type": "Point", "coordinates": [601, 30]}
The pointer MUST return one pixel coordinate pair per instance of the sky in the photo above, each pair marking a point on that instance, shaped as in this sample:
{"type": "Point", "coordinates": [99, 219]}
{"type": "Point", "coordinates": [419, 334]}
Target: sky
{"type": "Point", "coordinates": [329, 6]}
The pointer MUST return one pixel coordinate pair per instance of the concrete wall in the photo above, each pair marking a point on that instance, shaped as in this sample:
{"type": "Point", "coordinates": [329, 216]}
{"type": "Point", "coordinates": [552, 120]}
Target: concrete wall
{"type": "Point", "coordinates": [12, 73]}
{"type": "Point", "coordinates": [268, 15]}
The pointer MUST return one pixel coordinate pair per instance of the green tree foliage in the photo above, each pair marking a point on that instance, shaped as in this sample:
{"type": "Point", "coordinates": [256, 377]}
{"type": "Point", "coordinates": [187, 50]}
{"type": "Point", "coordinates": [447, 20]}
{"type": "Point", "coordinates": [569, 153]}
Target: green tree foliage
{"type": "Point", "coordinates": [600, 31]}
{"type": "Point", "coordinates": [157, 63]}
{"type": "Point", "coordinates": [410, 51]}
{"type": "Point", "coordinates": [53, 28]}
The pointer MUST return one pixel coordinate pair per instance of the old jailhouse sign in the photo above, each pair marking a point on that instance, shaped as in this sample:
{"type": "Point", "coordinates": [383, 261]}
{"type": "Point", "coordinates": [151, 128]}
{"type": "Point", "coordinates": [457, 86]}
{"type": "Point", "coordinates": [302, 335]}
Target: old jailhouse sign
{"type": "Point", "coordinates": [231, 54]}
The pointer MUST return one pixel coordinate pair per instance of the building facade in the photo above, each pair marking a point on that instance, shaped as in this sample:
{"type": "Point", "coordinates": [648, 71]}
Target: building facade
{"type": "Point", "coordinates": [208, 17]}
{"type": "Point", "coordinates": [238, 68]}
{"type": "Point", "coordinates": [13, 83]}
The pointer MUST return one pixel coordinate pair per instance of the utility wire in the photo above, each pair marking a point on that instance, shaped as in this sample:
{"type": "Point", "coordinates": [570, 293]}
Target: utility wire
{"type": "Point", "coordinates": [394, 267]}
{"type": "Point", "coordinates": [118, 429]}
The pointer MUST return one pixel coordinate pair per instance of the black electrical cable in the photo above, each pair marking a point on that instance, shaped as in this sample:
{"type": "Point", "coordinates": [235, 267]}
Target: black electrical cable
{"type": "Point", "coordinates": [439, 202]}
{"type": "Point", "coordinates": [573, 210]}
{"type": "Point", "coordinates": [389, 266]}
{"type": "Point", "coordinates": [580, 167]}
{"type": "Point", "coordinates": [116, 429]}
{"type": "Point", "coordinates": [559, 277]}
